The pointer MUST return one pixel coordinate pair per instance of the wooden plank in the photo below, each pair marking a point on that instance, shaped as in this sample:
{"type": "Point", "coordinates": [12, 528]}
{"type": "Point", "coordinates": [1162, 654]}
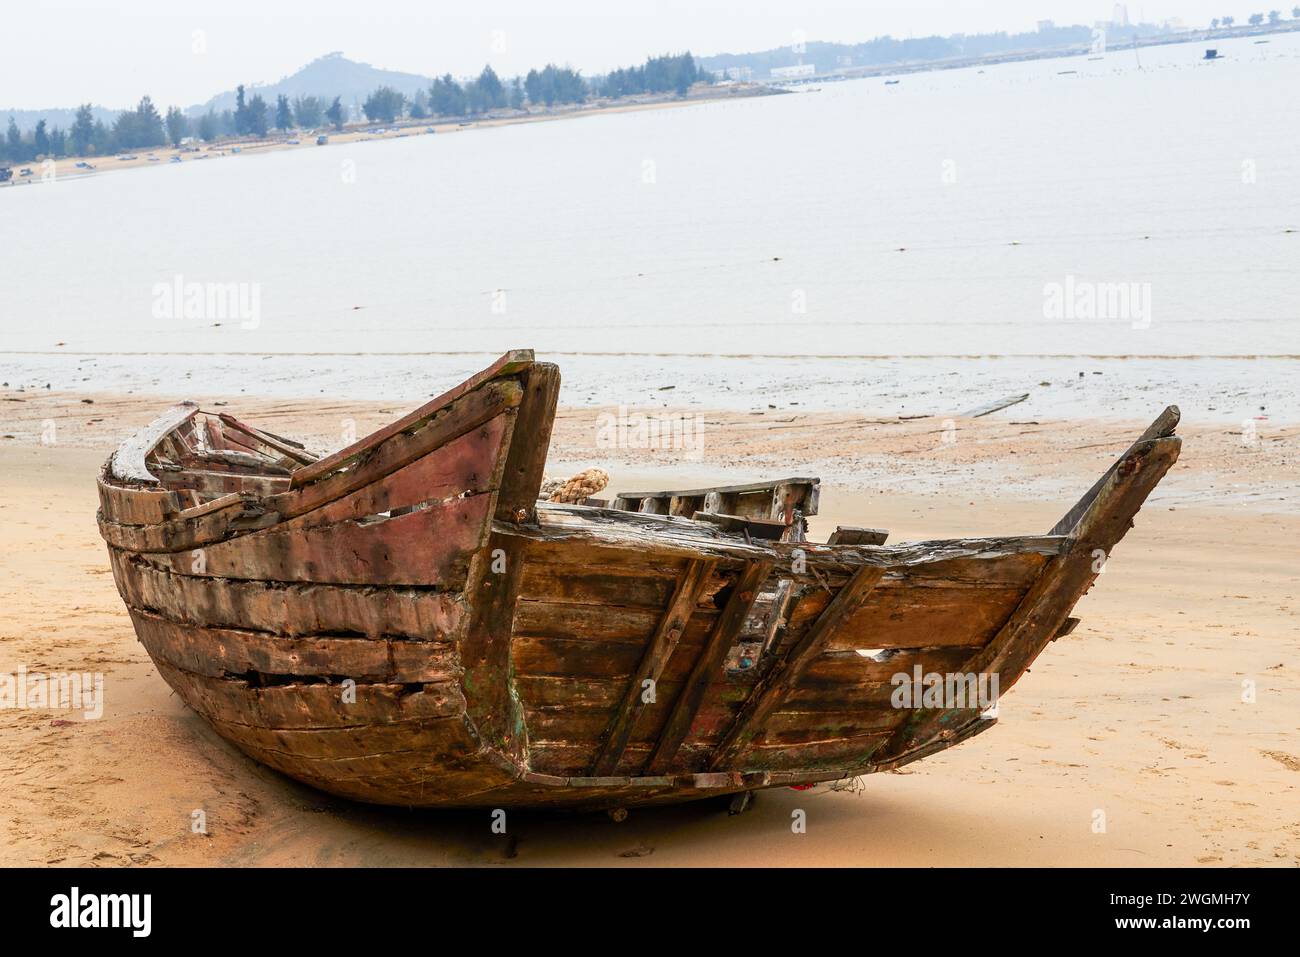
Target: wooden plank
{"type": "Point", "coordinates": [671, 538]}
{"type": "Point", "coordinates": [708, 665]}
{"type": "Point", "coordinates": [907, 615]}
{"type": "Point", "coordinates": [768, 487]}
{"type": "Point", "coordinates": [771, 690]}
{"type": "Point", "coordinates": [219, 652]}
{"type": "Point", "coordinates": [464, 465]}
{"type": "Point", "coordinates": [286, 447]}
{"type": "Point", "coordinates": [430, 547]}
{"type": "Point", "coordinates": [668, 632]}
{"type": "Point", "coordinates": [990, 407]}
{"type": "Point", "coordinates": [557, 657]}
{"type": "Point", "coordinates": [591, 584]}
{"type": "Point", "coordinates": [285, 608]}
{"type": "Point", "coordinates": [509, 364]}
{"type": "Point", "coordinates": [836, 753]}
{"type": "Point", "coordinates": [208, 523]}
{"type": "Point", "coordinates": [521, 482]}
{"type": "Point", "coordinates": [855, 535]}
{"type": "Point", "coordinates": [134, 506]}
{"type": "Point", "coordinates": [737, 524]}
{"type": "Point", "coordinates": [839, 678]}
{"type": "Point", "coordinates": [1163, 426]}
{"type": "Point", "coordinates": [128, 461]}
{"type": "Point", "coordinates": [466, 413]}
{"type": "Point", "coordinates": [311, 706]}
{"type": "Point", "coordinates": [1048, 602]}
{"type": "Point", "coordinates": [488, 683]}
{"type": "Point", "coordinates": [576, 692]}
{"type": "Point", "coordinates": [430, 738]}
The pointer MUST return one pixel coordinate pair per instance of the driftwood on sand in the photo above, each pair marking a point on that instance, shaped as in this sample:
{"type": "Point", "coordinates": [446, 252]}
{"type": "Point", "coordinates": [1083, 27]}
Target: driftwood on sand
{"type": "Point", "coordinates": [404, 622]}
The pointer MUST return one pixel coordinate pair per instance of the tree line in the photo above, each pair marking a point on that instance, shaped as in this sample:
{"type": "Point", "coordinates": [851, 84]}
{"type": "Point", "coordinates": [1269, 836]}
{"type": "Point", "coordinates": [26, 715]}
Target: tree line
{"type": "Point", "coordinates": [146, 128]}
{"type": "Point", "coordinates": [1274, 17]}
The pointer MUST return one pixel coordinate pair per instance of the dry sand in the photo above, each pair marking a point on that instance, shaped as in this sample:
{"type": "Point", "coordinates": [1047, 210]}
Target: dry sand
{"type": "Point", "coordinates": [1139, 714]}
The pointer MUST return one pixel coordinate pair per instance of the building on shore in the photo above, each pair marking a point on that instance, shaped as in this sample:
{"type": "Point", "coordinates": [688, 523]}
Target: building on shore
{"type": "Point", "coordinates": [800, 72]}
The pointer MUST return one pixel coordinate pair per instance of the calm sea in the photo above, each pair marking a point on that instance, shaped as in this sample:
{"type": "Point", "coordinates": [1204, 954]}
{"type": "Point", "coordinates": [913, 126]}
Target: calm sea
{"type": "Point", "coordinates": [1146, 204]}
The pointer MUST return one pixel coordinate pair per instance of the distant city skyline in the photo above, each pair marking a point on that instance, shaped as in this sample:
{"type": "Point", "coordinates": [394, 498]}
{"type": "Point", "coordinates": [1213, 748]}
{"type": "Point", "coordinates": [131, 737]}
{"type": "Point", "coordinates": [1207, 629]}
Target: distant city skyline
{"type": "Point", "coordinates": [61, 52]}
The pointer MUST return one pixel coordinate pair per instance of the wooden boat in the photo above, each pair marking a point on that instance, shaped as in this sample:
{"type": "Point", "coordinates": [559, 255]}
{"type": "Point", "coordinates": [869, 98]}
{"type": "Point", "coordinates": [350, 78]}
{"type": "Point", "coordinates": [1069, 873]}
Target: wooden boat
{"type": "Point", "coordinates": [403, 622]}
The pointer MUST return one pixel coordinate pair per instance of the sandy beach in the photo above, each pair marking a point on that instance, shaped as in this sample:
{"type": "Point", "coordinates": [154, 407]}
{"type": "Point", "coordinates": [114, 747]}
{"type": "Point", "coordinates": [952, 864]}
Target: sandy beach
{"type": "Point", "coordinates": [1139, 713]}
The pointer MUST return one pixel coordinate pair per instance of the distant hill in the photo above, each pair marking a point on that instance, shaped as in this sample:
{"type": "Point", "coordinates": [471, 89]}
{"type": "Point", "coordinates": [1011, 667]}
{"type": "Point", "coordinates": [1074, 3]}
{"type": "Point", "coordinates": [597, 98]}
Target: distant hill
{"type": "Point", "coordinates": [328, 76]}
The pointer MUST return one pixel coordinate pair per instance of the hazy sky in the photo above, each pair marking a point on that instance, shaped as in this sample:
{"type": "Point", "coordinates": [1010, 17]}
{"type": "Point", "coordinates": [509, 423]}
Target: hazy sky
{"type": "Point", "coordinates": [63, 52]}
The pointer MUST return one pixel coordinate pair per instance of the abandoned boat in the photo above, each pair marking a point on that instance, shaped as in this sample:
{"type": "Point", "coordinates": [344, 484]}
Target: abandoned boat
{"type": "Point", "coordinates": [404, 622]}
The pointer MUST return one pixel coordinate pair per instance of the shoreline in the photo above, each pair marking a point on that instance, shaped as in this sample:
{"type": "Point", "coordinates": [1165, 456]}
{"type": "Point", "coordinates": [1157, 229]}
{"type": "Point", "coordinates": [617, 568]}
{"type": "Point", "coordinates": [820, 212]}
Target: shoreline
{"type": "Point", "coordinates": [1032, 458]}
{"type": "Point", "coordinates": [1210, 390]}
{"type": "Point", "coordinates": [1202, 35]}
{"type": "Point", "coordinates": [66, 167]}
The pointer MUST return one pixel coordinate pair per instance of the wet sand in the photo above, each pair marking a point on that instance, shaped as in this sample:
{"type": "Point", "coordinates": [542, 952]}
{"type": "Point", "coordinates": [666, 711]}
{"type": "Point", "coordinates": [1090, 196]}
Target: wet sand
{"type": "Point", "coordinates": [1138, 714]}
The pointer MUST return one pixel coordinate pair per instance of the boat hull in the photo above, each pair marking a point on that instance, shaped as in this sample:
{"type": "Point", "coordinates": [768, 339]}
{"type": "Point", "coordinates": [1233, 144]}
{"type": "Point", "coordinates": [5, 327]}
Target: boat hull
{"type": "Point", "coordinates": [401, 622]}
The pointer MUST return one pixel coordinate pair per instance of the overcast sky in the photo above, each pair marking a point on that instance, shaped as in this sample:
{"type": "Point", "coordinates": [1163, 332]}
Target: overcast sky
{"type": "Point", "coordinates": [56, 53]}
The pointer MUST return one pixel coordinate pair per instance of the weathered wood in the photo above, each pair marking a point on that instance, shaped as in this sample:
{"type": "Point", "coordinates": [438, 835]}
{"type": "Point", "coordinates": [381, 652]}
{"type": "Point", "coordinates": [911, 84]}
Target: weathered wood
{"type": "Point", "coordinates": [668, 633]}
{"type": "Point", "coordinates": [592, 584]}
{"type": "Point", "coordinates": [466, 465]}
{"type": "Point", "coordinates": [521, 482]}
{"type": "Point", "coordinates": [853, 535]}
{"type": "Point", "coordinates": [312, 706]}
{"type": "Point", "coordinates": [850, 677]}
{"type": "Point", "coordinates": [578, 657]}
{"type": "Point", "coordinates": [739, 525]}
{"type": "Point", "coordinates": [994, 406]}
{"type": "Point", "coordinates": [497, 646]}
{"type": "Point", "coordinates": [431, 546]}
{"type": "Point", "coordinates": [135, 506]}
{"type": "Point", "coordinates": [509, 364]}
{"type": "Point", "coordinates": [219, 652]}
{"type": "Point", "coordinates": [441, 426]}
{"type": "Point", "coordinates": [290, 609]}
{"type": "Point", "coordinates": [838, 752]}
{"type": "Point", "coordinates": [462, 466]}
{"type": "Point", "coordinates": [286, 447]}
{"type": "Point", "coordinates": [769, 693]}
{"type": "Point", "coordinates": [669, 537]}
{"type": "Point", "coordinates": [708, 665]}
{"type": "Point", "coordinates": [800, 491]}
{"type": "Point", "coordinates": [194, 527]}
{"type": "Point", "coordinates": [1162, 427]}
{"type": "Point", "coordinates": [488, 685]}
{"type": "Point", "coordinates": [128, 464]}
{"type": "Point", "coordinates": [905, 615]}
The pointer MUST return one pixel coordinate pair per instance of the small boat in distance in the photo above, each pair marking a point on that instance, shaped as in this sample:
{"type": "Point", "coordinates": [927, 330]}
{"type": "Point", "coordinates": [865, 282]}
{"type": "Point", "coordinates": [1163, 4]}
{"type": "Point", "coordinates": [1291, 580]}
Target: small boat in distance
{"type": "Point", "coordinates": [404, 622]}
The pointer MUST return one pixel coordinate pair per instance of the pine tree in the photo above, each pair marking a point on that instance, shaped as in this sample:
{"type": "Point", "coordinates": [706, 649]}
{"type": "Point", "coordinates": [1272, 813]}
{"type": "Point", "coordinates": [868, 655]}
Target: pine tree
{"type": "Point", "coordinates": [283, 115]}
